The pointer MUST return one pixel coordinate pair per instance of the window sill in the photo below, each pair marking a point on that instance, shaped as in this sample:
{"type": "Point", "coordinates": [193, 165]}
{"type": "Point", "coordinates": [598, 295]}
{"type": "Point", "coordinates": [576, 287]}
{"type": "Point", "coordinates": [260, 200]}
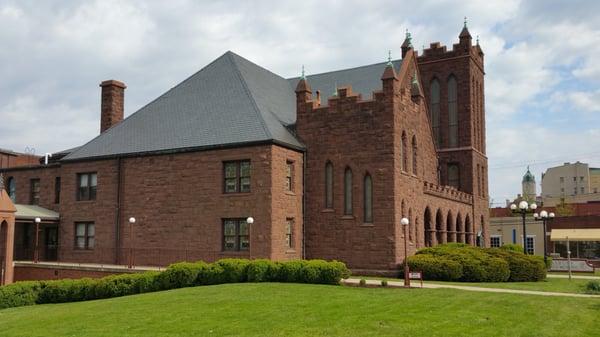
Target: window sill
{"type": "Point", "coordinates": [290, 251]}
{"type": "Point", "coordinates": [85, 201]}
{"type": "Point", "coordinates": [235, 252]}
{"type": "Point", "coordinates": [328, 210]}
{"type": "Point", "coordinates": [367, 225]}
{"type": "Point", "coordinates": [290, 193]}
{"type": "Point", "coordinates": [233, 194]}
{"type": "Point", "coordinates": [80, 250]}
{"type": "Point", "coordinates": [348, 217]}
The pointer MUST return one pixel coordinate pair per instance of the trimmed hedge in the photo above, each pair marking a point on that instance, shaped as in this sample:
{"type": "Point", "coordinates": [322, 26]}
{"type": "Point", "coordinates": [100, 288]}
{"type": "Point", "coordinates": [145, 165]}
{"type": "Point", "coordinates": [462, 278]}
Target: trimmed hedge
{"type": "Point", "coordinates": [477, 264]}
{"type": "Point", "coordinates": [178, 275]}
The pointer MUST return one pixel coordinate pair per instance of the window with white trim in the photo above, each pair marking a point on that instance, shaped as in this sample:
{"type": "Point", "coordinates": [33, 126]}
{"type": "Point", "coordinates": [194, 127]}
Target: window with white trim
{"type": "Point", "coordinates": [495, 241]}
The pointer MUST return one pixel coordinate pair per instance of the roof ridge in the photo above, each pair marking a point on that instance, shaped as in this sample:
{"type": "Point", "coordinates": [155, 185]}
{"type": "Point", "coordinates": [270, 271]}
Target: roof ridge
{"type": "Point", "coordinates": [249, 93]}
{"type": "Point", "coordinates": [346, 69]}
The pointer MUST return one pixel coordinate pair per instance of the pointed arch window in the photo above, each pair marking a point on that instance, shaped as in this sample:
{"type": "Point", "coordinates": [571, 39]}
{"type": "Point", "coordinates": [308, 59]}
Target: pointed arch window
{"type": "Point", "coordinates": [368, 198]}
{"type": "Point", "coordinates": [348, 191]}
{"type": "Point", "coordinates": [12, 189]}
{"type": "Point", "coordinates": [404, 152]}
{"type": "Point", "coordinates": [452, 112]}
{"type": "Point", "coordinates": [414, 155]}
{"type": "Point", "coordinates": [435, 110]}
{"type": "Point", "coordinates": [329, 185]}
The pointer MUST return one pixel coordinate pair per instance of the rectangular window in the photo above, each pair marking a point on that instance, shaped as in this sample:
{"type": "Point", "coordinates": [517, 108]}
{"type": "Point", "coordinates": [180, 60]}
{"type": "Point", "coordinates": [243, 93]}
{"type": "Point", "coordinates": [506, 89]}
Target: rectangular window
{"type": "Point", "coordinates": [575, 179]}
{"type": "Point", "coordinates": [26, 235]}
{"type": "Point", "coordinates": [289, 176]}
{"type": "Point", "coordinates": [236, 235]}
{"type": "Point", "coordinates": [86, 186]}
{"type": "Point", "coordinates": [495, 241]}
{"type": "Point", "coordinates": [57, 190]}
{"type": "Point", "coordinates": [237, 176]}
{"type": "Point", "coordinates": [514, 236]}
{"type": "Point", "coordinates": [575, 190]}
{"type": "Point", "coordinates": [34, 198]}
{"type": "Point", "coordinates": [595, 190]}
{"type": "Point", "coordinates": [562, 180]}
{"type": "Point", "coordinates": [289, 230]}
{"type": "Point", "coordinates": [85, 234]}
{"type": "Point", "coordinates": [582, 190]}
{"type": "Point", "coordinates": [530, 245]}
{"type": "Point", "coordinates": [581, 179]}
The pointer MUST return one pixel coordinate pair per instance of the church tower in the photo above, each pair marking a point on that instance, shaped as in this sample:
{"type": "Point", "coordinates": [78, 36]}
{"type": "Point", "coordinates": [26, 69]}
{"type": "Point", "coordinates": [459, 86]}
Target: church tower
{"type": "Point", "coordinates": [453, 82]}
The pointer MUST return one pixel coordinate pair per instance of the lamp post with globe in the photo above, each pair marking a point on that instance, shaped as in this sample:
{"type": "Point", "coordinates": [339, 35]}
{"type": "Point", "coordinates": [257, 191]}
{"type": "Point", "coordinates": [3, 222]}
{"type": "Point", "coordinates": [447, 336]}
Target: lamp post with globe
{"type": "Point", "coordinates": [524, 208]}
{"type": "Point", "coordinates": [544, 217]}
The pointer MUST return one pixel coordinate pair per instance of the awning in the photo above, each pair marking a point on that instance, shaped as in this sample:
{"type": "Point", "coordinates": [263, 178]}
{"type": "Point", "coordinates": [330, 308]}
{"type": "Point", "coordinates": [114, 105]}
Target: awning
{"type": "Point", "coordinates": [30, 212]}
{"type": "Point", "coordinates": [587, 234]}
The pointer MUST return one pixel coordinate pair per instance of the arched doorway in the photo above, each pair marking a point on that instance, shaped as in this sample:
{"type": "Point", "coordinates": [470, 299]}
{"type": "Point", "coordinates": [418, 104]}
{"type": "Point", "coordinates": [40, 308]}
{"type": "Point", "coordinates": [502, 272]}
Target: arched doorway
{"type": "Point", "coordinates": [460, 229]}
{"type": "Point", "coordinates": [451, 225]}
{"type": "Point", "coordinates": [429, 229]}
{"type": "Point", "coordinates": [440, 227]}
{"type": "Point", "coordinates": [469, 230]}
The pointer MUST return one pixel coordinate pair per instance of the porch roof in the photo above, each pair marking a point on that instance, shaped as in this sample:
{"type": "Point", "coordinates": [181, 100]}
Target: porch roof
{"type": "Point", "coordinates": [30, 212]}
{"type": "Point", "coordinates": [578, 234]}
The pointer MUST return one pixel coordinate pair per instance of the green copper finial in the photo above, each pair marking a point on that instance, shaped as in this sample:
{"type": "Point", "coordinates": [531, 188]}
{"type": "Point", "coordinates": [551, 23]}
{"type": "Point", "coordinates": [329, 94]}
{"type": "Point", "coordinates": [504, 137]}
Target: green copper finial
{"type": "Point", "coordinates": [465, 22]}
{"type": "Point", "coordinates": [478, 40]}
{"type": "Point", "coordinates": [303, 77]}
{"type": "Point", "coordinates": [389, 62]}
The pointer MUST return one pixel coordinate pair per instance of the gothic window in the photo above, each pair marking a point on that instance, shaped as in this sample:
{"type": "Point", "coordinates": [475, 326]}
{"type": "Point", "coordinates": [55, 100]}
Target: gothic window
{"type": "Point", "coordinates": [329, 185]}
{"type": "Point", "coordinates": [452, 113]}
{"type": "Point", "coordinates": [478, 179]}
{"type": "Point", "coordinates": [435, 110]}
{"type": "Point", "coordinates": [12, 189]}
{"type": "Point", "coordinates": [368, 199]}
{"type": "Point", "coordinates": [414, 155]}
{"type": "Point", "coordinates": [348, 191]}
{"type": "Point", "coordinates": [404, 152]}
{"type": "Point", "coordinates": [454, 175]}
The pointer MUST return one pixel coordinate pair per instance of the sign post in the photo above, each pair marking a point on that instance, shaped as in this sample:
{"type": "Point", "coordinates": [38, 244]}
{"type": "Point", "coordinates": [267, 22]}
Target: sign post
{"type": "Point", "coordinates": [416, 275]}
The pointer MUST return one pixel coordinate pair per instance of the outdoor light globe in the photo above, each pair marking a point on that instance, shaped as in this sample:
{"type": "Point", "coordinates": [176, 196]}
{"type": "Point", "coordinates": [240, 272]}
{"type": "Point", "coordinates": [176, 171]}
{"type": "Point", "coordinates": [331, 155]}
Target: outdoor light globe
{"type": "Point", "coordinates": [533, 206]}
{"type": "Point", "coordinates": [132, 220]}
{"type": "Point", "coordinates": [551, 215]}
{"type": "Point", "coordinates": [404, 221]}
{"type": "Point", "coordinates": [513, 207]}
{"type": "Point", "coordinates": [544, 214]}
{"type": "Point", "coordinates": [250, 220]}
{"type": "Point", "coordinates": [38, 220]}
{"type": "Point", "coordinates": [523, 205]}
{"type": "Point", "coordinates": [535, 215]}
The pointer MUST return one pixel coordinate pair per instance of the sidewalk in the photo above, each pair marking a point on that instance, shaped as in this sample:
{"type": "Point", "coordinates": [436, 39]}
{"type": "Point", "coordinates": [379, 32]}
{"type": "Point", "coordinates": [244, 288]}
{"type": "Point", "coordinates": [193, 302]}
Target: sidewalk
{"type": "Point", "coordinates": [580, 277]}
{"type": "Point", "coordinates": [396, 284]}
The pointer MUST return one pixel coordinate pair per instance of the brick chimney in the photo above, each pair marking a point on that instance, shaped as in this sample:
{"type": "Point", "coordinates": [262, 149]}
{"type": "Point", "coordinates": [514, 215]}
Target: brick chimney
{"type": "Point", "coordinates": [112, 105]}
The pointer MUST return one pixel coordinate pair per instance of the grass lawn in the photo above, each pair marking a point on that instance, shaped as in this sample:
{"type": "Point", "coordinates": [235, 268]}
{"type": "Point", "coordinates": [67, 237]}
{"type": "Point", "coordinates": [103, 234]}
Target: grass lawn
{"type": "Point", "coordinates": [263, 309]}
{"type": "Point", "coordinates": [596, 273]}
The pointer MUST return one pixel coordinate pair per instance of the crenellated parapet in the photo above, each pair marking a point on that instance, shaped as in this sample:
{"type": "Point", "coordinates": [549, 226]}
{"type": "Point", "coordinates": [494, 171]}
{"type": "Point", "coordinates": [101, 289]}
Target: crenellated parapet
{"type": "Point", "coordinates": [447, 192]}
{"type": "Point", "coordinates": [463, 48]}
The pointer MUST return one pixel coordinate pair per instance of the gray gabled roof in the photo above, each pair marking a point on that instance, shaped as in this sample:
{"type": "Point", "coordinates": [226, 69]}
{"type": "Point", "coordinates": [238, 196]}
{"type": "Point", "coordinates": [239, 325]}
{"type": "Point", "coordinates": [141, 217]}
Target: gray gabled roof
{"type": "Point", "coordinates": [364, 80]}
{"type": "Point", "coordinates": [230, 102]}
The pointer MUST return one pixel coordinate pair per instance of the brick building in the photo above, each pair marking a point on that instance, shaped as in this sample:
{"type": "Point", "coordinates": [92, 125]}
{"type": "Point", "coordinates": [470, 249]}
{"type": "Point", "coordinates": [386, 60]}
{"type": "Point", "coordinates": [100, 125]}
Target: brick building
{"type": "Point", "coordinates": [324, 175]}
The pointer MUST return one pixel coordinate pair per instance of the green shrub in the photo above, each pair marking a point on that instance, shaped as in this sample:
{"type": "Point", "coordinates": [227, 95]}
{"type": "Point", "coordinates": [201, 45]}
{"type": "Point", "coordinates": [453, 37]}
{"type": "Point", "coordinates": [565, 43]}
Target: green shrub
{"type": "Point", "coordinates": [362, 282]}
{"type": "Point", "coordinates": [384, 283]}
{"type": "Point", "coordinates": [290, 271]}
{"type": "Point", "coordinates": [548, 262]}
{"type": "Point", "coordinates": [19, 294]}
{"type": "Point", "coordinates": [180, 275]}
{"type": "Point", "coordinates": [523, 268]}
{"type": "Point", "coordinates": [512, 247]}
{"type": "Point", "coordinates": [435, 267]}
{"type": "Point", "coordinates": [67, 290]}
{"type": "Point", "coordinates": [148, 281]}
{"type": "Point", "coordinates": [592, 287]}
{"type": "Point", "coordinates": [210, 274]}
{"type": "Point", "coordinates": [234, 270]}
{"type": "Point", "coordinates": [495, 270]}
{"type": "Point", "coordinates": [262, 271]}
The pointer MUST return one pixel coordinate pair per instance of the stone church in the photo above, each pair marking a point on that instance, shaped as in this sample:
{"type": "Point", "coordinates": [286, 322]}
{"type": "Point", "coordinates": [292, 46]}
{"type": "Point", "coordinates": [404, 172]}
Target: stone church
{"type": "Point", "coordinates": [326, 165]}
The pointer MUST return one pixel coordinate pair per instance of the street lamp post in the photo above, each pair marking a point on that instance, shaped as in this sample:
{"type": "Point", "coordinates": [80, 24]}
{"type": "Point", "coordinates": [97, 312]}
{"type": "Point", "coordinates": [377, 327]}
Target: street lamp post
{"type": "Point", "coordinates": [544, 217]}
{"type": "Point", "coordinates": [131, 223]}
{"type": "Point", "coordinates": [523, 209]}
{"type": "Point", "coordinates": [404, 222]}
{"type": "Point", "coordinates": [36, 252]}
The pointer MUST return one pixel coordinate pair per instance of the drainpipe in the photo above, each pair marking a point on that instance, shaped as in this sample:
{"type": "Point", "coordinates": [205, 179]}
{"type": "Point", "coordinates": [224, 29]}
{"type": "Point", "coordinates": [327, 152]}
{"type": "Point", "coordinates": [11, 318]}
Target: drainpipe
{"type": "Point", "coordinates": [118, 211]}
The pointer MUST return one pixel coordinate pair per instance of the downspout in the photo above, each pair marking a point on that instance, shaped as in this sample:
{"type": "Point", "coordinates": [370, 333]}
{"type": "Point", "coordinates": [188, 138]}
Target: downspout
{"type": "Point", "coordinates": [118, 211]}
{"type": "Point", "coordinates": [304, 205]}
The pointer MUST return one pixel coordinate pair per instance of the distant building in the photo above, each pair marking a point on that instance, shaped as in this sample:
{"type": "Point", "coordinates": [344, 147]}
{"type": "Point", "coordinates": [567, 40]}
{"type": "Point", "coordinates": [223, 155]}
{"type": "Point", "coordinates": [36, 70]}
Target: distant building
{"type": "Point", "coordinates": [528, 186]}
{"type": "Point", "coordinates": [570, 183]}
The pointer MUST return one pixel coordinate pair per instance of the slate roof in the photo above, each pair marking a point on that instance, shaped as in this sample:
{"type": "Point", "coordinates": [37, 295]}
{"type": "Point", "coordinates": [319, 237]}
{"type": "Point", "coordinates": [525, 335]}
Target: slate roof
{"type": "Point", "coordinates": [230, 102]}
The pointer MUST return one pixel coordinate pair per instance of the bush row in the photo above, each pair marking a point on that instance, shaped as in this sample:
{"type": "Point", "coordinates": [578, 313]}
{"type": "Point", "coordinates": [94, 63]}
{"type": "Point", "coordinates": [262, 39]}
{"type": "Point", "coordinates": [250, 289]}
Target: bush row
{"type": "Point", "coordinates": [465, 263]}
{"type": "Point", "coordinates": [178, 275]}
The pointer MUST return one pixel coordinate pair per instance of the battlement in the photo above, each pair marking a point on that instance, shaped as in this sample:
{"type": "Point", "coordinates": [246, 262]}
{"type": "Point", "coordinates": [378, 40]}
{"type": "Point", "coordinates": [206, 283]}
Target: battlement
{"type": "Point", "coordinates": [447, 192]}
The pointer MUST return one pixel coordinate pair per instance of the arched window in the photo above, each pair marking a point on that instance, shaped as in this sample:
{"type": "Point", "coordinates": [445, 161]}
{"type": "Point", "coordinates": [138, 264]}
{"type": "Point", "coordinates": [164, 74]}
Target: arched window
{"type": "Point", "coordinates": [329, 185]}
{"type": "Point", "coordinates": [12, 189]}
{"type": "Point", "coordinates": [404, 152]}
{"type": "Point", "coordinates": [478, 180]}
{"type": "Point", "coordinates": [452, 113]}
{"type": "Point", "coordinates": [411, 226]}
{"type": "Point", "coordinates": [348, 191]}
{"type": "Point", "coordinates": [435, 110]}
{"type": "Point", "coordinates": [414, 155]}
{"type": "Point", "coordinates": [368, 198]}
{"type": "Point", "coordinates": [454, 175]}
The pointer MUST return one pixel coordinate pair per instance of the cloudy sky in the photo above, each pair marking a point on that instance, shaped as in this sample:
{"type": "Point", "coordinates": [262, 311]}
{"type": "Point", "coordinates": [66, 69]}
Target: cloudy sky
{"type": "Point", "coordinates": [542, 69]}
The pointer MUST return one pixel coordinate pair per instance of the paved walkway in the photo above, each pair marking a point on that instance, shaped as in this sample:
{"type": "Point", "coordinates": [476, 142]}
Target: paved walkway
{"type": "Point", "coordinates": [376, 283]}
{"type": "Point", "coordinates": [578, 276]}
